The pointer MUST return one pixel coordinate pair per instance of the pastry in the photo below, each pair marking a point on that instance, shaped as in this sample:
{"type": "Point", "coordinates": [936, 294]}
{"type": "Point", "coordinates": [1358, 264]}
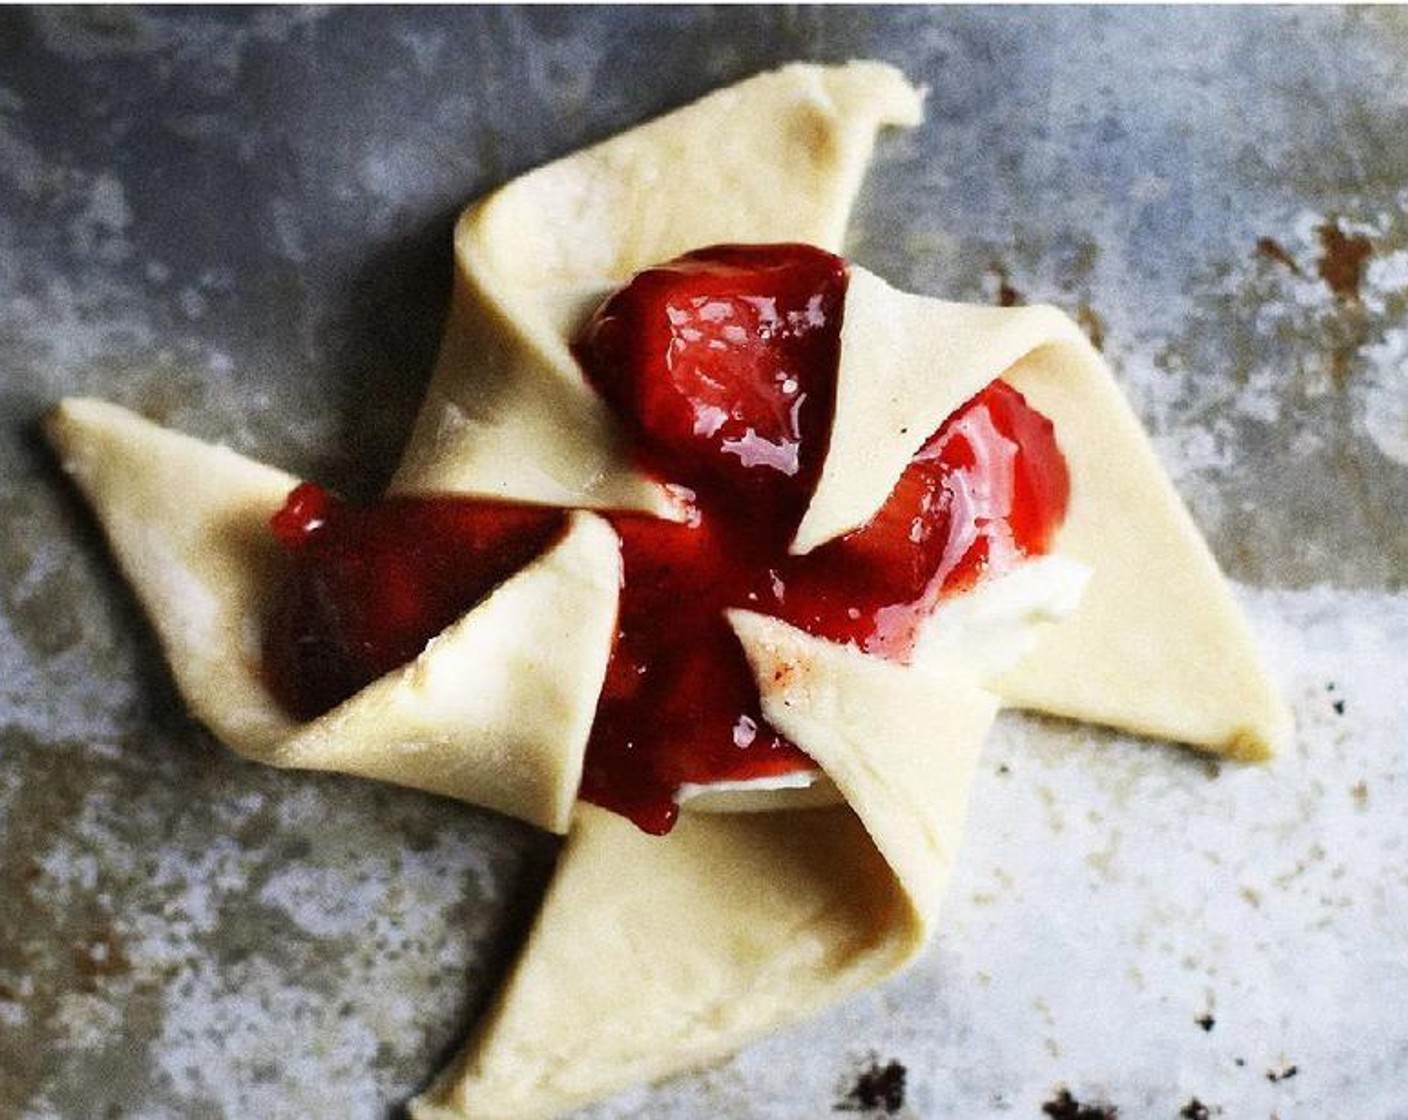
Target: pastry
{"type": "Point", "coordinates": [734, 923]}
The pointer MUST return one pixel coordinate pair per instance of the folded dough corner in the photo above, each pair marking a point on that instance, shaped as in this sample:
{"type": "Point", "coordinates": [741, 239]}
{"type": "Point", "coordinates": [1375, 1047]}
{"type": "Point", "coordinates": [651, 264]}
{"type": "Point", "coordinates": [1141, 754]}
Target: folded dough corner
{"type": "Point", "coordinates": [656, 954]}
{"type": "Point", "coordinates": [653, 955]}
{"type": "Point", "coordinates": [188, 523]}
{"type": "Point", "coordinates": [1157, 645]}
{"type": "Point", "coordinates": [776, 158]}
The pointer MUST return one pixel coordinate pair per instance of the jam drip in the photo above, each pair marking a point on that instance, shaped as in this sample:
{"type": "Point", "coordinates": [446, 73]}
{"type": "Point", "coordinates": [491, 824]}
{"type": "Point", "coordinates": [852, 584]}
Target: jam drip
{"type": "Point", "coordinates": [986, 491]}
{"type": "Point", "coordinates": [722, 366]}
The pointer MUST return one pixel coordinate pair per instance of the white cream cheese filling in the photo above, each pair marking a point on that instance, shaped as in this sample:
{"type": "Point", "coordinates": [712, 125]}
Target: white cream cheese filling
{"type": "Point", "coordinates": [993, 626]}
{"type": "Point", "coordinates": [986, 629]}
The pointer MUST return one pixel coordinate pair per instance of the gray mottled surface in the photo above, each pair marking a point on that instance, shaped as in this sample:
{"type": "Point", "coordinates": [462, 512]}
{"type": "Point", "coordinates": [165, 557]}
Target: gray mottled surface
{"type": "Point", "coordinates": [237, 221]}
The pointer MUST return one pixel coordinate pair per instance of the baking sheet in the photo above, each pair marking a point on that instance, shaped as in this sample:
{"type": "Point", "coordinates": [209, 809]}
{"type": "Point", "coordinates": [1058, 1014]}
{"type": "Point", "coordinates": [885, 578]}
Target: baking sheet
{"type": "Point", "coordinates": [236, 221]}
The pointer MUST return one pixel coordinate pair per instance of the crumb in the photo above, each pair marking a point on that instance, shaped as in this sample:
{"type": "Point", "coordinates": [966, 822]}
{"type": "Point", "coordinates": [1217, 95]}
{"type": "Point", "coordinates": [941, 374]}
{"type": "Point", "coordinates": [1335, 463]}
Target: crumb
{"type": "Point", "coordinates": [1338, 705]}
{"type": "Point", "coordinates": [1360, 792]}
{"type": "Point", "coordinates": [1206, 1021]}
{"type": "Point", "coordinates": [1239, 1062]}
{"type": "Point", "coordinates": [878, 1091]}
{"type": "Point", "coordinates": [1063, 1106]}
{"type": "Point", "coordinates": [1003, 768]}
{"type": "Point", "coordinates": [1194, 1110]}
{"type": "Point", "coordinates": [1285, 1073]}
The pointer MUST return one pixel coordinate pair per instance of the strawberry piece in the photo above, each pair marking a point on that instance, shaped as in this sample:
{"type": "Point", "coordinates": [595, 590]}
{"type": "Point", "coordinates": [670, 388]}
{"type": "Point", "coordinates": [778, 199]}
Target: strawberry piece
{"type": "Point", "coordinates": [723, 365]}
{"type": "Point", "coordinates": [368, 587]}
{"type": "Point", "coordinates": [989, 488]}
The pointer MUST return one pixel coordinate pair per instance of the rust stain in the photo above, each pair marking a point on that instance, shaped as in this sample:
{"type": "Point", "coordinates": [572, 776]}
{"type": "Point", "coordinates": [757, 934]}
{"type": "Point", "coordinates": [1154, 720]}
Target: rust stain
{"type": "Point", "coordinates": [1272, 250]}
{"type": "Point", "coordinates": [97, 959]}
{"type": "Point", "coordinates": [1341, 264]}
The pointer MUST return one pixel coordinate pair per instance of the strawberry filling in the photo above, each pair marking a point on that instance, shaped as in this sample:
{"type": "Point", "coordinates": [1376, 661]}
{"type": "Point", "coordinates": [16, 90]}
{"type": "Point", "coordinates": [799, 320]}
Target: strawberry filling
{"type": "Point", "coordinates": [368, 587]}
{"type": "Point", "coordinates": [722, 366]}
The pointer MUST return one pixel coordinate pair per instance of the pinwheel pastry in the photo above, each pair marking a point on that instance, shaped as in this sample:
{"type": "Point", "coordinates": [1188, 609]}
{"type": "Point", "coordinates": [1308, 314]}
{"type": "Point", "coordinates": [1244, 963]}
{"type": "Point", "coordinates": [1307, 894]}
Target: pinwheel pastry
{"type": "Point", "coordinates": [709, 551]}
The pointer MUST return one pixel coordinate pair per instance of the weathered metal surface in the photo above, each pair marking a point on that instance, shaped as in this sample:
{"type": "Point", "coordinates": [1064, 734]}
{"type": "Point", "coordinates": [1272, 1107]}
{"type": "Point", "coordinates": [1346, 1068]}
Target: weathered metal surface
{"type": "Point", "coordinates": [237, 221]}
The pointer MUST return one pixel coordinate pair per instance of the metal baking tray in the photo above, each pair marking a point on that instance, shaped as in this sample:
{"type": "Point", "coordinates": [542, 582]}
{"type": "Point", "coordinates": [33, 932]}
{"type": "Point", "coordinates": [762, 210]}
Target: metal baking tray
{"type": "Point", "coordinates": [237, 221]}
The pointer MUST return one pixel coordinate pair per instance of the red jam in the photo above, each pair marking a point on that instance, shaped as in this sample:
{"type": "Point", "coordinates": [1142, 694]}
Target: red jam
{"type": "Point", "coordinates": [368, 587]}
{"type": "Point", "coordinates": [722, 364]}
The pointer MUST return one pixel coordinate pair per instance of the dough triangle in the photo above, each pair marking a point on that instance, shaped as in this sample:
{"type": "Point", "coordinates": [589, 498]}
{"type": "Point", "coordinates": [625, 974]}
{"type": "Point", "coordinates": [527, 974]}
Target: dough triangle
{"type": "Point", "coordinates": [495, 711]}
{"type": "Point", "coordinates": [1157, 646]}
{"type": "Point", "coordinates": [652, 955]}
{"type": "Point", "coordinates": [188, 523]}
{"type": "Point", "coordinates": [776, 158]}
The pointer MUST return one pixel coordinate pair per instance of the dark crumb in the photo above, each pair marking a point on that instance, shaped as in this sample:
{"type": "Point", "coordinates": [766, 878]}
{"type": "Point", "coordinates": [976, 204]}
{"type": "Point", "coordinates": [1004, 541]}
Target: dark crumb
{"type": "Point", "coordinates": [879, 1090]}
{"type": "Point", "coordinates": [1206, 1021]}
{"type": "Point", "coordinates": [1338, 705]}
{"type": "Point", "coordinates": [1285, 1073]}
{"type": "Point", "coordinates": [1003, 768]}
{"type": "Point", "coordinates": [1194, 1110]}
{"type": "Point", "coordinates": [1240, 1062]}
{"type": "Point", "coordinates": [1063, 1106]}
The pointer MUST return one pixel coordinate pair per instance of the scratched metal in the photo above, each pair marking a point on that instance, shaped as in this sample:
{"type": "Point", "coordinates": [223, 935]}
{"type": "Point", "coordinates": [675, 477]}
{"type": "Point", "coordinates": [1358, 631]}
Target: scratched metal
{"type": "Point", "coordinates": [237, 221]}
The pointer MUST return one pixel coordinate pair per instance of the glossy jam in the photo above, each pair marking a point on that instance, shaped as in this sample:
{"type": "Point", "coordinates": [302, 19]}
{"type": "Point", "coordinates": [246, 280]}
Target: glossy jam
{"type": "Point", "coordinates": [722, 366]}
{"type": "Point", "coordinates": [367, 587]}
{"type": "Point", "coordinates": [987, 490]}
{"type": "Point", "coordinates": [737, 347]}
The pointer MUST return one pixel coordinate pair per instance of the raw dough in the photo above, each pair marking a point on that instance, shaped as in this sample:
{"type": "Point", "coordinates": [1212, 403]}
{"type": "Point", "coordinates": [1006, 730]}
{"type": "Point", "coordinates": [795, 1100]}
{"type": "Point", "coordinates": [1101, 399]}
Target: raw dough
{"type": "Point", "coordinates": [656, 954]}
{"type": "Point", "coordinates": [1156, 646]}
{"type": "Point", "coordinates": [495, 711]}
